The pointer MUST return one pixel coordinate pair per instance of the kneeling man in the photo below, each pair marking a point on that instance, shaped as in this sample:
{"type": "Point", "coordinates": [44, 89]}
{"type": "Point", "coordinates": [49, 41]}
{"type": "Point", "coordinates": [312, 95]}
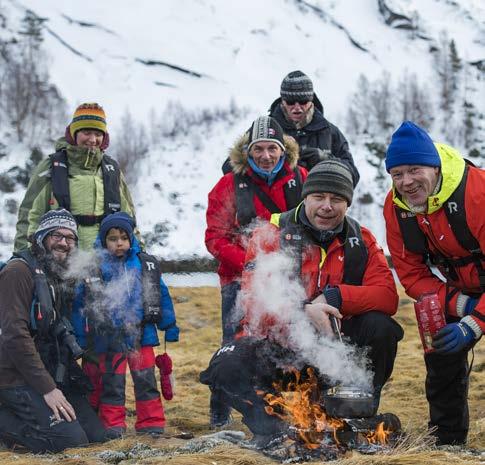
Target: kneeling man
{"type": "Point", "coordinates": [343, 272]}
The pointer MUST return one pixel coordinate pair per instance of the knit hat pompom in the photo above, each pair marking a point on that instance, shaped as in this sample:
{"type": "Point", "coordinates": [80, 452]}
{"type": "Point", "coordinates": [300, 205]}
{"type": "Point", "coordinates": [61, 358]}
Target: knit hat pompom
{"type": "Point", "coordinates": [330, 176]}
{"type": "Point", "coordinates": [119, 220]}
{"type": "Point", "coordinates": [411, 145]}
{"type": "Point", "coordinates": [266, 129]}
{"type": "Point", "coordinates": [296, 86]}
{"type": "Point", "coordinates": [88, 116]}
{"type": "Point", "coordinates": [52, 220]}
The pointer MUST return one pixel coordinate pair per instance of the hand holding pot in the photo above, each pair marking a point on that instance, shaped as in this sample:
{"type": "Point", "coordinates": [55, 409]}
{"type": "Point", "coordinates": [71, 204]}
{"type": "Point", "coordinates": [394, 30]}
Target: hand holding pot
{"type": "Point", "coordinates": [318, 313]}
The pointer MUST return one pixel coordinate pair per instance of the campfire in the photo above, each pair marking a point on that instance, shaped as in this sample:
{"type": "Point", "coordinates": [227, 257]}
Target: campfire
{"type": "Point", "coordinates": [313, 433]}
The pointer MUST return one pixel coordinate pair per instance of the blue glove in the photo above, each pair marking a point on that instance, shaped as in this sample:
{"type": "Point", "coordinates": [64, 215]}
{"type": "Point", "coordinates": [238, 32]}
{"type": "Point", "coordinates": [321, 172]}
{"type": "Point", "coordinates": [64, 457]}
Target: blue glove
{"type": "Point", "coordinates": [453, 338]}
{"type": "Point", "coordinates": [471, 303]}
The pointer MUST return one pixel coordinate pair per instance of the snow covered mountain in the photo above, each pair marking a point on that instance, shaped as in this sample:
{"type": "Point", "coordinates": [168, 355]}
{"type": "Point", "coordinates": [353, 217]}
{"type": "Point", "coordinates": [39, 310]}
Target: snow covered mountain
{"type": "Point", "coordinates": [195, 73]}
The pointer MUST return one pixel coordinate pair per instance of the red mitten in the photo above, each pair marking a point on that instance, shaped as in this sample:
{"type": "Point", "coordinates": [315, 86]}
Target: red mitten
{"type": "Point", "coordinates": [164, 364]}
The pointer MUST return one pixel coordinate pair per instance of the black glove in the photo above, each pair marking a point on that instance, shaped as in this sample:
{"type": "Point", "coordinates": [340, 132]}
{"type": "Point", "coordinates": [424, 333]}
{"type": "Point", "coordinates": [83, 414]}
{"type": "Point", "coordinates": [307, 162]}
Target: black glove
{"type": "Point", "coordinates": [312, 155]}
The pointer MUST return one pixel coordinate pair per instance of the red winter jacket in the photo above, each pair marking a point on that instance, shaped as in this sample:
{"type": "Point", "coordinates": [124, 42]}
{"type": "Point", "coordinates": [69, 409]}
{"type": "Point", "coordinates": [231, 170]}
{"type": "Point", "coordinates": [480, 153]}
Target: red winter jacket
{"type": "Point", "coordinates": [377, 292]}
{"type": "Point", "coordinates": [223, 236]}
{"type": "Point", "coordinates": [413, 273]}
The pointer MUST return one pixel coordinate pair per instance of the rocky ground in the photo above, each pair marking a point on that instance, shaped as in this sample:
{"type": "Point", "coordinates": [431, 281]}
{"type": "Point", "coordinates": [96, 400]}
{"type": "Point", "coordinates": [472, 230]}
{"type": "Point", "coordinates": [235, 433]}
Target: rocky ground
{"type": "Point", "coordinates": [189, 441]}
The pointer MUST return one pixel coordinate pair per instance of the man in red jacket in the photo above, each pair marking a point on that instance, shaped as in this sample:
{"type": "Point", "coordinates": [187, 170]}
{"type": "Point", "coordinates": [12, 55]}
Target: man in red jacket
{"type": "Point", "coordinates": [343, 272]}
{"type": "Point", "coordinates": [265, 179]}
{"type": "Point", "coordinates": [434, 216]}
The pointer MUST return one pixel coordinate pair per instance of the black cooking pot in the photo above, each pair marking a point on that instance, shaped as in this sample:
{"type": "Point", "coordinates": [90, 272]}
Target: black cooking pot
{"type": "Point", "coordinates": [349, 402]}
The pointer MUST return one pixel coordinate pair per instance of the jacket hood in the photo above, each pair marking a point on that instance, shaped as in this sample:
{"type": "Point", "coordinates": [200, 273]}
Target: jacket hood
{"type": "Point", "coordinates": [452, 169]}
{"type": "Point", "coordinates": [239, 156]}
{"type": "Point", "coordinates": [80, 156]}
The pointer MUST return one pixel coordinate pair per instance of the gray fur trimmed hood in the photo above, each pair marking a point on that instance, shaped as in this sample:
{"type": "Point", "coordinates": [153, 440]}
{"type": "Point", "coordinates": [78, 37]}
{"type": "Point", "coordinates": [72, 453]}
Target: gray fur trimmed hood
{"type": "Point", "coordinates": [238, 154]}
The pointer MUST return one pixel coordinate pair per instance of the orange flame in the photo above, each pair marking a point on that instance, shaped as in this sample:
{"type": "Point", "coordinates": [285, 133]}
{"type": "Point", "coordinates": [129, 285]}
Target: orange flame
{"type": "Point", "coordinates": [379, 436]}
{"type": "Point", "coordinates": [296, 405]}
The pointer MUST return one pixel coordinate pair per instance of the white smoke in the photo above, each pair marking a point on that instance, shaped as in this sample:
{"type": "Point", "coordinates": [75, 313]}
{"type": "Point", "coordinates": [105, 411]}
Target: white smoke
{"type": "Point", "coordinates": [275, 292]}
{"type": "Point", "coordinates": [109, 298]}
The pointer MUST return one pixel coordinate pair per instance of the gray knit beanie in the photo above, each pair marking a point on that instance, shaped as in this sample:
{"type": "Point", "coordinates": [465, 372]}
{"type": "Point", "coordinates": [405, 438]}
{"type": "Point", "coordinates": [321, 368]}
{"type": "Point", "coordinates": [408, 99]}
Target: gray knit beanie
{"type": "Point", "coordinates": [330, 176]}
{"type": "Point", "coordinates": [266, 129]}
{"type": "Point", "coordinates": [296, 86]}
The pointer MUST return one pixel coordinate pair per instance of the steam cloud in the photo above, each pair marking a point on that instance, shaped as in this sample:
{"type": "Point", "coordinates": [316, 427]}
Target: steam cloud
{"type": "Point", "coordinates": [110, 299]}
{"type": "Point", "coordinates": [276, 293]}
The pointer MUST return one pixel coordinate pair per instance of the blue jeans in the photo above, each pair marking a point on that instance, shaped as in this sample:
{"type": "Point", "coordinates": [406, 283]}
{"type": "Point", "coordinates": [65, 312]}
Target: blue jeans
{"type": "Point", "coordinates": [26, 419]}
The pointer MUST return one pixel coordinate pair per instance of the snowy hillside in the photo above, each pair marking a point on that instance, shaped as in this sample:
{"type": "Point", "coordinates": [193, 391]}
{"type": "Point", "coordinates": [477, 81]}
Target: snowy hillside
{"type": "Point", "coordinates": [210, 55]}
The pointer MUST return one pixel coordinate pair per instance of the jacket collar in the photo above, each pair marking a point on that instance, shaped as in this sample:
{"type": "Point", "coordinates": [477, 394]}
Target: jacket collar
{"type": "Point", "coordinates": [80, 156]}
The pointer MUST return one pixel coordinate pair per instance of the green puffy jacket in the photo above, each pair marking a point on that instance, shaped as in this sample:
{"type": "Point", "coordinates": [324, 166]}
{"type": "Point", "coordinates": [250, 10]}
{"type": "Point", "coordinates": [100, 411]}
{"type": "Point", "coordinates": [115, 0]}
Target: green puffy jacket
{"type": "Point", "coordinates": [86, 191]}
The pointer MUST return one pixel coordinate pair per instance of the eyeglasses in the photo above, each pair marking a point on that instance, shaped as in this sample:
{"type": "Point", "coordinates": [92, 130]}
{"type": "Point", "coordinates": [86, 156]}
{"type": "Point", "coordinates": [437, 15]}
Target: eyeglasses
{"type": "Point", "coordinates": [300, 101]}
{"type": "Point", "coordinates": [70, 240]}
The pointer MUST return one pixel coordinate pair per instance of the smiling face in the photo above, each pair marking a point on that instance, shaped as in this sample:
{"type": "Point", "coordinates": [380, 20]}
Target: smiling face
{"type": "Point", "coordinates": [415, 183]}
{"type": "Point", "coordinates": [325, 210]}
{"type": "Point", "coordinates": [90, 138]}
{"type": "Point", "coordinates": [60, 243]}
{"type": "Point", "coordinates": [266, 155]}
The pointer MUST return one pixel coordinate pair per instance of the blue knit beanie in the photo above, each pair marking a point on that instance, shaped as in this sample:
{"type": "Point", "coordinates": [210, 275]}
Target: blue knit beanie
{"type": "Point", "coordinates": [411, 145]}
{"type": "Point", "coordinates": [120, 220]}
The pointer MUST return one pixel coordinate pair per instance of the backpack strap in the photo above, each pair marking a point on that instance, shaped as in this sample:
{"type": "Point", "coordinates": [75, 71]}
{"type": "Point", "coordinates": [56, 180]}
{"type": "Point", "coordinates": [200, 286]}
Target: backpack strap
{"type": "Point", "coordinates": [355, 253]}
{"type": "Point", "coordinates": [456, 215]}
{"type": "Point", "coordinates": [60, 179]}
{"type": "Point", "coordinates": [111, 183]}
{"type": "Point", "coordinates": [152, 293]}
{"type": "Point", "coordinates": [246, 188]}
{"type": "Point", "coordinates": [42, 314]}
{"type": "Point", "coordinates": [291, 238]}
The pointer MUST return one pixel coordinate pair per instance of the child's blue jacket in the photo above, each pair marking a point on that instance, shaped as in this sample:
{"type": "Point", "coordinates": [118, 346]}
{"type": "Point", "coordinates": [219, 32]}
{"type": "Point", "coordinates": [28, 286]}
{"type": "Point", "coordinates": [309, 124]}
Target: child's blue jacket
{"type": "Point", "coordinates": [120, 313]}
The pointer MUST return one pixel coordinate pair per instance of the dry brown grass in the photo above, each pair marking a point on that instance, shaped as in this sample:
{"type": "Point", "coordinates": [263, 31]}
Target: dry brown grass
{"type": "Point", "coordinates": [198, 313]}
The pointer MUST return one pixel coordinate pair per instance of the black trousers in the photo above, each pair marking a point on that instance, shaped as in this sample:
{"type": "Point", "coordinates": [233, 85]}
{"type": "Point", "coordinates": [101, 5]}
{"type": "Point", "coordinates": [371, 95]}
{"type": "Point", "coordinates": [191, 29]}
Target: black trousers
{"type": "Point", "coordinates": [230, 321]}
{"type": "Point", "coordinates": [241, 368]}
{"type": "Point", "coordinates": [26, 419]}
{"type": "Point", "coordinates": [447, 394]}
{"type": "Point", "coordinates": [229, 292]}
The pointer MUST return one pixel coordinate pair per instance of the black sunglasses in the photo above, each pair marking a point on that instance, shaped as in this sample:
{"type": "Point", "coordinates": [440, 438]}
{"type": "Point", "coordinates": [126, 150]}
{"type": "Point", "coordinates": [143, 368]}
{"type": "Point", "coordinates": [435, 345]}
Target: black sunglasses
{"type": "Point", "coordinates": [293, 101]}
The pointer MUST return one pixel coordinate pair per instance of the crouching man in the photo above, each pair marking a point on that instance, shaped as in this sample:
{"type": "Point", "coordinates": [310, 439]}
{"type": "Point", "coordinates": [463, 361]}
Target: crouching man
{"type": "Point", "coordinates": [434, 216]}
{"type": "Point", "coordinates": [42, 391]}
{"type": "Point", "coordinates": [343, 272]}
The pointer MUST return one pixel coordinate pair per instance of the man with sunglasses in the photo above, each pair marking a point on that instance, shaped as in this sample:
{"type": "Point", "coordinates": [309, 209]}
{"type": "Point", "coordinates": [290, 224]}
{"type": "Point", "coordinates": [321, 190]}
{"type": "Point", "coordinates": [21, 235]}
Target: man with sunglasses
{"type": "Point", "coordinates": [43, 392]}
{"type": "Point", "coordinates": [300, 114]}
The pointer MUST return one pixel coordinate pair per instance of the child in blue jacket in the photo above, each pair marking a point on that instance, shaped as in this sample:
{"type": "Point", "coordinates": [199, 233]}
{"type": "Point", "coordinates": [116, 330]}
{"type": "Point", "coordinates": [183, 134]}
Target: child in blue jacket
{"type": "Point", "coordinates": [120, 308]}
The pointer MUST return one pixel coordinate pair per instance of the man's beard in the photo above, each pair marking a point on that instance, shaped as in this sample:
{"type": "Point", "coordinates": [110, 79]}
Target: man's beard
{"type": "Point", "coordinates": [53, 266]}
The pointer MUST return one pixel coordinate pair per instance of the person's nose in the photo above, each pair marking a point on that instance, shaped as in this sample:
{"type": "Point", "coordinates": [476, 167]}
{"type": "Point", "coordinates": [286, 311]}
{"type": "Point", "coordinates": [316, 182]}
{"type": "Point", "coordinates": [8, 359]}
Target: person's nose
{"type": "Point", "coordinates": [407, 179]}
{"type": "Point", "coordinates": [326, 204]}
{"type": "Point", "coordinates": [92, 138]}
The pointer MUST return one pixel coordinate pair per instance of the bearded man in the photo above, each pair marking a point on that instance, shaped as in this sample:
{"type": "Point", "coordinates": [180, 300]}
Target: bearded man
{"type": "Point", "coordinates": [43, 392]}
